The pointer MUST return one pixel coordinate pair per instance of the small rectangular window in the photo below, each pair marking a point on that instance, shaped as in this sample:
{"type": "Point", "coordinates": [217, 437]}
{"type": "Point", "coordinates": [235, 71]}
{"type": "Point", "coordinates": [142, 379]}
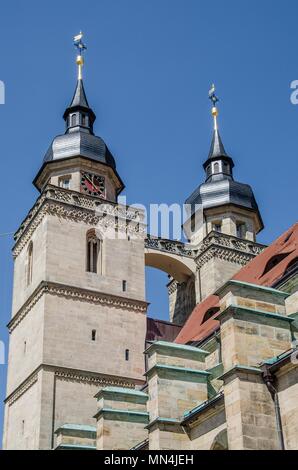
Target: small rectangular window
{"type": "Point", "coordinates": [65, 182]}
{"type": "Point", "coordinates": [93, 336]}
{"type": "Point", "coordinates": [217, 227]}
{"type": "Point", "coordinates": [124, 286]}
{"type": "Point", "coordinates": [127, 354]}
{"type": "Point", "coordinates": [25, 347]}
{"type": "Point", "coordinates": [241, 230]}
{"type": "Point", "coordinates": [23, 426]}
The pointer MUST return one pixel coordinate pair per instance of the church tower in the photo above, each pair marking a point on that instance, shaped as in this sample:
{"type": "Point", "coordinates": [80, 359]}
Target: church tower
{"type": "Point", "coordinates": [222, 225]}
{"type": "Point", "coordinates": [79, 312]}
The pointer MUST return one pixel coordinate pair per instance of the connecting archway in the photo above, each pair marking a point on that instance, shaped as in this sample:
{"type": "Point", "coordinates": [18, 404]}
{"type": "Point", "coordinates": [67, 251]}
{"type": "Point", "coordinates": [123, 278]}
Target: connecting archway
{"type": "Point", "coordinates": [181, 268]}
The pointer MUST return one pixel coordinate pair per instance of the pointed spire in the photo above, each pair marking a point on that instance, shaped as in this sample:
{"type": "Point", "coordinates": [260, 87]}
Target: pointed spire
{"type": "Point", "coordinates": [79, 116]}
{"type": "Point", "coordinates": [217, 148]}
{"type": "Point", "coordinates": [79, 97]}
{"type": "Point", "coordinates": [218, 165]}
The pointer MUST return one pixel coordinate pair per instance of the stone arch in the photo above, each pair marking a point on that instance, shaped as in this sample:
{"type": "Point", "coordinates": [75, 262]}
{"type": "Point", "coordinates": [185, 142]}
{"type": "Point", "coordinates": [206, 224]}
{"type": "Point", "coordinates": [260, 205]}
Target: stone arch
{"type": "Point", "coordinates": [220, 442]}
{"type": "Point", "coordinates": [181, 288]}
{"type": "Point", "coordinates": [178, 267]}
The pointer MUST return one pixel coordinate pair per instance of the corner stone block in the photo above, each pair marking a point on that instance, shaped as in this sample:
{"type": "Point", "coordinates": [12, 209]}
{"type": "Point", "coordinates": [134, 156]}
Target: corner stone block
{"type": "Point", "coordinates": [76, 437]}
{"type": "Point", "coordinates": [121, 418]}
{"type": "Point", "coordinates": [254, 326]}
{"type": "Point", "coordinates": [177, 382]}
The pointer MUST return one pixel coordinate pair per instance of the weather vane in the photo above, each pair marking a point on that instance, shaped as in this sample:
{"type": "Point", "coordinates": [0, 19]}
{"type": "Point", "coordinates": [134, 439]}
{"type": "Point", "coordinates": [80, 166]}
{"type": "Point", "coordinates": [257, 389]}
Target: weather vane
{"type": "Point", "coordinates": [80, 46]}
{"type": "Point", "coordinates": [213, 98]}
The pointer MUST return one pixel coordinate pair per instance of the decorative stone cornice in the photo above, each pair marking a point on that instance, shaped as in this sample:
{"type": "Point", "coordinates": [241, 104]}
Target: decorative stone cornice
{"type": "Point", "coordinates": [22, 389]}
{"type": "Point", "coordinates": [76, 207]}
{"type": "Point", "coordinates": [94, 379]}
{"type": "Point", "coordinates": [219, 245]}
{"type": "Point", "coordinates": [215, 245]}
{"type": "Point", "coordinates": [71, 375]}
{"type": "Point", "coordinates": [168, 246]}
{"type": "Point", "coordinates": [77, 293]}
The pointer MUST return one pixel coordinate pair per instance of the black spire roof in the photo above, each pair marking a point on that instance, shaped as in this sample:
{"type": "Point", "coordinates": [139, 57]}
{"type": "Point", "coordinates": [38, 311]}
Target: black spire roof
{"type": "Point", "coordinates": [79, 105]}
{"type": "Point", "coordinates": [79, 97]}
{"type": "Point", "coordinates": [79, 139]}
{"type": "Point", "coordinates": [220, 188]}
{"type": "Point", "coordinates": [217, 148]}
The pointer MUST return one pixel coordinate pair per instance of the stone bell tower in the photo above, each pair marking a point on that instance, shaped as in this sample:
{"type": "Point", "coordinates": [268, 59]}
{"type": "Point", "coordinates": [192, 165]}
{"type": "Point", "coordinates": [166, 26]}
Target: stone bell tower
{"type": "Point", "coordinates": [79, 312]}
{"type": "Point", "coordinates": [222, 225]}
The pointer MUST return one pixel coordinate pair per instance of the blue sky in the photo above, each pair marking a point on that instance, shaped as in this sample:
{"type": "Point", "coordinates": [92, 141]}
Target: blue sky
{"type": "Point", "coordinates": [148, 69]}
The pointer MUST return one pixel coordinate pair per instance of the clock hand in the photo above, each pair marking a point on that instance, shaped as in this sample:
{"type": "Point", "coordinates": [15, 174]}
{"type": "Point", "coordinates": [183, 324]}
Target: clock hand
{"type": "Point", "coordinates": [90, 181]}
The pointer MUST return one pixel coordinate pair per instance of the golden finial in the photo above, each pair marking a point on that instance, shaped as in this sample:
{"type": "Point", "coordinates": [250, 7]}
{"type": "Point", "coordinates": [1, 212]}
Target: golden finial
{"type": "Point", "coordinates": [80, 46]}
{"type": "Point", "coordinates": [214, 99]}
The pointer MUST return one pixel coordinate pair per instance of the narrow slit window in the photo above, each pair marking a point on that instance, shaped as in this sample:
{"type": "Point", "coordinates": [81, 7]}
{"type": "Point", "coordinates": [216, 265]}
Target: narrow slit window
{"type": "Point", "coordinates": [25, 347]}
{"type": "Point", "coordinates": [124, 286]}
{"type": "Point", "coordinates": [127, 354]}
{"type": "Point", "coordinates": [93, 335]}
{"type": "Point", "coordinates": [29, 263]}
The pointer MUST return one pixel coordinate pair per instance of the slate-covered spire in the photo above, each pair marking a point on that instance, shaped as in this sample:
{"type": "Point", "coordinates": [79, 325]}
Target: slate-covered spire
{"type": "Point", "coordinates": [79, 116]}
{"type": "Point", "coordinates": [217, 148]}
{"type": "Point", "coordinates": [218, 165]}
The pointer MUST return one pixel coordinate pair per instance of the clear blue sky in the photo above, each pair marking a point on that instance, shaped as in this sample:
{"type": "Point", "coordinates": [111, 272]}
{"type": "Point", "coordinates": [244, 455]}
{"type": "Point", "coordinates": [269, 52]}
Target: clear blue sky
{"type": "Point", "coordinates": [148, 69]}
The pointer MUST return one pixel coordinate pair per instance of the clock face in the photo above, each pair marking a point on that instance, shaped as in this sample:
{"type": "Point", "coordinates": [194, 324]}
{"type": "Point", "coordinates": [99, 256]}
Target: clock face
{"type": "Point", "coordinates": [94, 185]}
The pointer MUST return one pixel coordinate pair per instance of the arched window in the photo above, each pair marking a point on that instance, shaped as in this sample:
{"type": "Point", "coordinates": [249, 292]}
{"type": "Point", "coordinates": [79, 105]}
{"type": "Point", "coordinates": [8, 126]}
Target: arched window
{"type": "Point", "coordinates": [84, 120]}
{"type": "Point", "coordinates": [73, 120]}
{"type": "Point", "coordinates": [216, 167]}
{"type": "Point", "coordinates": [29, 263]}
{"type": "Point", "coordinates": [93, 264]}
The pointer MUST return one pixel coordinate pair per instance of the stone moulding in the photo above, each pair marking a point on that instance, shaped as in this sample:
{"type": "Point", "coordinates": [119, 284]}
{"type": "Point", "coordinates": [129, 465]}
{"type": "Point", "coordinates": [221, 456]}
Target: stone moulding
{"type": "Point", "coordinates": [71, 375]}
{"type": "Point", "coordinates": [180, 349]}
{"type": "Point", "coordinates": [227, 247]}
{"type": "Point", "coordinates": [123, 415]}
{"type": "Point", "coordinates": [240, 369]}
{"type": "Point", "coordinates": [14, 396]}
{"type": "Point", "coordinates": [179, 371]}
{"type": "Point", "coordinates": [168, 246]}
{"type": "Point", "coordinates": [75, 293]}
{"type": "Point", "coordinates": [79, 208]}
{"type": "Point", "coordinates": [240, 313]}
{"type": "Point", "coordinates": [139, 396]}
{"type": "Point", "coordinates": [226, 254]}
{"type": "Point", "coordinates": [164, 422]}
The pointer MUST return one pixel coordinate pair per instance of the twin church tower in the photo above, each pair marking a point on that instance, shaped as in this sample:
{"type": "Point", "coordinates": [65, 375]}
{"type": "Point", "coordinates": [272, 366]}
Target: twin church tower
{"type": "Point", "coordinates": [79, 307]}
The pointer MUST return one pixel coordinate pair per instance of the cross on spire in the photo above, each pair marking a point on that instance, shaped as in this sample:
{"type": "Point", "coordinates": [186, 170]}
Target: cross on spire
{"type": "Point", "coordinates": [214, 111]}
{"type": "Point", "coordinates": [81, 47]}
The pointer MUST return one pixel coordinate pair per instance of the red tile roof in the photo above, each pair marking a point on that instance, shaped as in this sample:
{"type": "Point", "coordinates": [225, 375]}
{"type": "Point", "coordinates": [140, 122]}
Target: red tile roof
{"type": "Point", "coordinates": [265, 269]}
